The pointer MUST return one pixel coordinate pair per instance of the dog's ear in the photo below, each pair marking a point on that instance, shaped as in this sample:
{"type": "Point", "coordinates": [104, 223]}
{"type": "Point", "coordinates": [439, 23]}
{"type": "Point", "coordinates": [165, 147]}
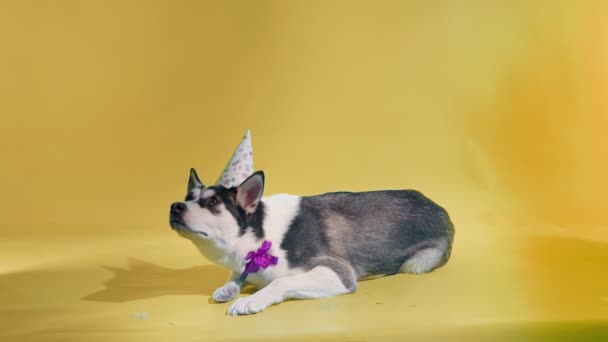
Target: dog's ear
{"type": "Point", "coordinates": [249, 193]}
{"type": "Point", "coordinates": [194, 181]}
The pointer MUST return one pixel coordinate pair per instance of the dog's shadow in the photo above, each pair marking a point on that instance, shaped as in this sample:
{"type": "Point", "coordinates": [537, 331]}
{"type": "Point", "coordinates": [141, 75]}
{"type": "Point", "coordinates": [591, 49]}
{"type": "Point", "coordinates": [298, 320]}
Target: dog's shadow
{"type": "Point", "coordinates": [143, 280]}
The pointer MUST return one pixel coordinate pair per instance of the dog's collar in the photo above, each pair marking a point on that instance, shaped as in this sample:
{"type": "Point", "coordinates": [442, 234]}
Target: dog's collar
{"type": "Point", "coordinates": [258, 259]}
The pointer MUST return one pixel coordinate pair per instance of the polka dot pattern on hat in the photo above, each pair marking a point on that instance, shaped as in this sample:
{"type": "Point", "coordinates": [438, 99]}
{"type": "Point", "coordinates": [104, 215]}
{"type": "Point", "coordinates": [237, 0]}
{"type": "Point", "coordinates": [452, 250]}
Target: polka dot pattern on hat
{"type": "Point", "coordinates": [240, 166]}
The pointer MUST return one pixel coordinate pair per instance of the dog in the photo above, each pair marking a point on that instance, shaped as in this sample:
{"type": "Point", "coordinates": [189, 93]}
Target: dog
{"type": "Point", "coordinates": [324, 243]}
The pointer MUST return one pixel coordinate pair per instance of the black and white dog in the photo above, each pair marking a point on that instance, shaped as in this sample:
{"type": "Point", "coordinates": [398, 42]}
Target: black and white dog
{"type": "Point", "coordinates": [324, 243]}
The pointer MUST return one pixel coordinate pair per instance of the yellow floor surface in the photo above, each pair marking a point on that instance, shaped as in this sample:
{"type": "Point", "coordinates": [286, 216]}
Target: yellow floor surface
{"type": "Point", "coordinates": [497, 110]}
{"type": "Point", "coordinates": [156, 288]}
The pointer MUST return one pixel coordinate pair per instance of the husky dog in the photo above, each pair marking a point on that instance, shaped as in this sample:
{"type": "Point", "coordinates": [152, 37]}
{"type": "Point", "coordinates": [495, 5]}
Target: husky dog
{"type": "Point", "coordinates": [324, 243]}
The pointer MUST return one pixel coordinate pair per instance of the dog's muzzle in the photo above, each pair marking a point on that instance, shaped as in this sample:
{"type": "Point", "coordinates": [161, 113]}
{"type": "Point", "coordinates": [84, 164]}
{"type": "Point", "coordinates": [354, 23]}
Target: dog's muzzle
{"type": "Point", "coordinates": [175, 215]}
{"type": "Point", "coordinates": [177, 208]}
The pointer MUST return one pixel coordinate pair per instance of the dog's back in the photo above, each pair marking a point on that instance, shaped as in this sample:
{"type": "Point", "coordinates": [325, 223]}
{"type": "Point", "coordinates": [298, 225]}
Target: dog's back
{"type": "Point", "coordinates": [369, 233]}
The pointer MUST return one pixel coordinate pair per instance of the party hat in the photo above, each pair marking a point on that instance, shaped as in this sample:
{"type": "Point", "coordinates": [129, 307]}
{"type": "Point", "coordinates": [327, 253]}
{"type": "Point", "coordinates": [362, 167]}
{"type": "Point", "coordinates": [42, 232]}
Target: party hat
{"type": "Point", "coordinates": [240, 166]}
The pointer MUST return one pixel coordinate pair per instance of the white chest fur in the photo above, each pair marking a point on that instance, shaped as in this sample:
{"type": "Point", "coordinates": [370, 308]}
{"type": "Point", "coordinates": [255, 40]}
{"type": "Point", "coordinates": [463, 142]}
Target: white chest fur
{"type": "Point", "coordinates": [280, 210]}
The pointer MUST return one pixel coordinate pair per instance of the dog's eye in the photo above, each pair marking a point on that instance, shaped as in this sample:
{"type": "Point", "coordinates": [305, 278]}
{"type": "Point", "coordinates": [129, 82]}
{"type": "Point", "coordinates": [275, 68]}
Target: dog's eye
{"type": "Point", "coordinates": [213, 201]}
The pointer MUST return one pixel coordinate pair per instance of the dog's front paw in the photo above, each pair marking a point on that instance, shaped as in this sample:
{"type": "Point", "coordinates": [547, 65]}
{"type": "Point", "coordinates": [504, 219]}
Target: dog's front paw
{"type": "Point", "coordinates": [226, 292]}
{"type": "Point", "coordinates": [250, 305]}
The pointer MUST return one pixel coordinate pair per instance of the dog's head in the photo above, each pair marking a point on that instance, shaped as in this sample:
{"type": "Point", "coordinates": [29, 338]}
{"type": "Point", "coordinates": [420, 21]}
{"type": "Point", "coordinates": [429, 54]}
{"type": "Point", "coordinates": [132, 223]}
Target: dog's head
{"type": "Point", "coordinates": [216, 213]}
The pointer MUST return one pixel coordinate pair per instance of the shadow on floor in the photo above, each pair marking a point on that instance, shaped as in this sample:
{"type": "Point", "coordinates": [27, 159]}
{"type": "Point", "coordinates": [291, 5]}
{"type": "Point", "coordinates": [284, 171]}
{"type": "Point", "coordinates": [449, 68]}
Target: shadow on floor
{"type": "Point", "coordinates": [143, 280]}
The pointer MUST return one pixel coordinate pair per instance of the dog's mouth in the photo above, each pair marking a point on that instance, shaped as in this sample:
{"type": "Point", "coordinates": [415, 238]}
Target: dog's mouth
{"type": "Point", "coordinates": [199, 233]}
{"type": "Point", "coordinates": [177, 224]}
{"type": "Point", "coordinates": [181, 227]}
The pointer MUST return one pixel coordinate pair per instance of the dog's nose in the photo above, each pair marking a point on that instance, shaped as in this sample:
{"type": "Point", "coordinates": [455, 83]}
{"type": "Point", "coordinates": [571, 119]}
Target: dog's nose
{"type": "Point", "coordinates": [178, 208]}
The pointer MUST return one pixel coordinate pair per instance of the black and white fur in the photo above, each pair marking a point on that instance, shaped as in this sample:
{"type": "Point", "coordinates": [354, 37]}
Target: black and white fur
{"type": "Point", "coordinates": [325, 243]}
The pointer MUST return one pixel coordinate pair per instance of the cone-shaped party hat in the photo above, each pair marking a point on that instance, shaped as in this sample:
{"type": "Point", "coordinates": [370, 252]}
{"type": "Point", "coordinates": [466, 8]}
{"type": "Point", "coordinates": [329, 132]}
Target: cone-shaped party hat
{"type": "Point", "coordinates": [240, 166]}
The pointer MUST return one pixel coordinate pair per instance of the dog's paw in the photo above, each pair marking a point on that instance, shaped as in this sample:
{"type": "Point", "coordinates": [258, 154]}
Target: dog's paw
{"type": "Point", "coordinates": [250, 305]}
{"type": "Point", "coordinates": [226, 292]}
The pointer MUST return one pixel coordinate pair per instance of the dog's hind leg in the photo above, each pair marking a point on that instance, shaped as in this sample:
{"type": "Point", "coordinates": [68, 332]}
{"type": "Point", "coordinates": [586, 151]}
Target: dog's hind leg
{"type": "Point", "coordinates": [426, 259]}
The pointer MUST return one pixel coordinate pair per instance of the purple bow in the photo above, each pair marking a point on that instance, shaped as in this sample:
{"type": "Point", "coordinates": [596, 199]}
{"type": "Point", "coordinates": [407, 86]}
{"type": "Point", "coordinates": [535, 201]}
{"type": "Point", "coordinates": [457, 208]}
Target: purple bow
{"type": "Point", "coordinates": [259, 259]}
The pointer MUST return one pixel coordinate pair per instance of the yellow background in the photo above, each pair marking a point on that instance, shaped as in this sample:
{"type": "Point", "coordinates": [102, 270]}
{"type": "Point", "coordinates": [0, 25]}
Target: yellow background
{"type": "Point", "coordinates": [496, 110]}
